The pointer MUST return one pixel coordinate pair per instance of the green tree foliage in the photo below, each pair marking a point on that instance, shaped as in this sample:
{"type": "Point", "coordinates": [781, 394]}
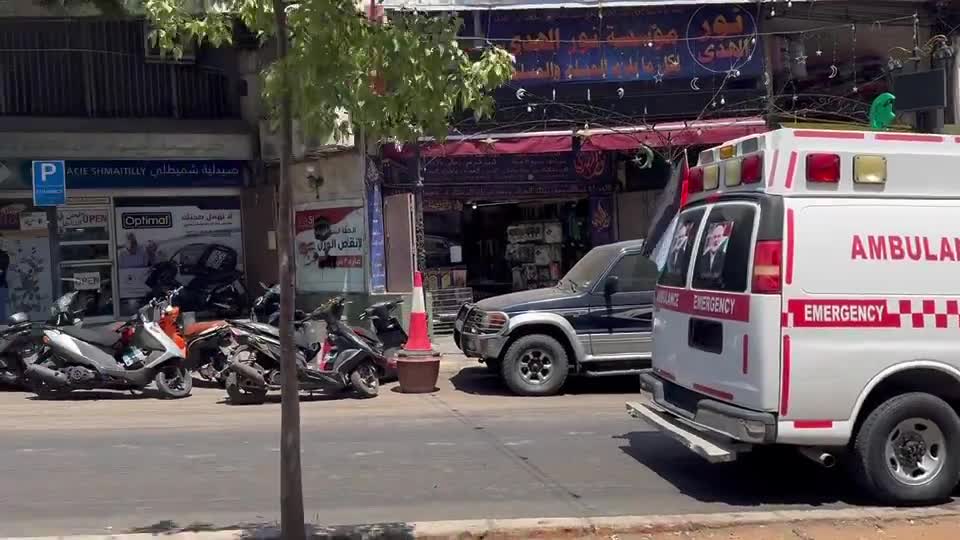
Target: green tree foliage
{"type": "Point", "coordinates": [398, 79]}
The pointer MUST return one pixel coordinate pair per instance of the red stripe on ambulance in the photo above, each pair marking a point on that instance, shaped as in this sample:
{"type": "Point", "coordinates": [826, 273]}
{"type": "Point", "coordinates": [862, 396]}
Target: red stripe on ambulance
{"type": "Point", "coordinates": [813, 424]}
{"type": "Point", "coordinates": [938, 313]}
{"type": "Point", "coordinates": [820, 134]}
{"type": "Point", "coordinates": [791, 170]}
{"type": "Point", "coordinates": [841, 314]}
{"type": "Point", "coordinates": [789, 273]}
{"type": "Point", "coordinates": [785, 378]}
{"type": "Point", "coordinates": [907, 137]}
{"type": "Point", "coordinates": [715, 305]}
{"type": "Point", "coordinates": [746, 353]}
{"type": "Point", "coordinates": [773, 168]}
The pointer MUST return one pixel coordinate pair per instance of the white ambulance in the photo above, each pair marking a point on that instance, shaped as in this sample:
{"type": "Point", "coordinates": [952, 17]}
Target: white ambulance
{"type": "Point", "coordinates": [810, 298]}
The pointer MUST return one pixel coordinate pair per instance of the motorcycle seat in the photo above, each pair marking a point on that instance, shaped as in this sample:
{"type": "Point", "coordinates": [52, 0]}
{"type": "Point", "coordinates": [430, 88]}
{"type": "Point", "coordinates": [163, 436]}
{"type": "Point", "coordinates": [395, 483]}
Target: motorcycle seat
{"type": "Point", "coordinates": [104, 336]}
{"type": "Point", "coordinates": [200, 327]}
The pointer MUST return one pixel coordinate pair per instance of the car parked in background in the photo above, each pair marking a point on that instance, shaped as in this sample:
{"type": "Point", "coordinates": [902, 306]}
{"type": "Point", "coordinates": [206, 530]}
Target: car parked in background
{"type": "Point", "coordinates": [596, 322]}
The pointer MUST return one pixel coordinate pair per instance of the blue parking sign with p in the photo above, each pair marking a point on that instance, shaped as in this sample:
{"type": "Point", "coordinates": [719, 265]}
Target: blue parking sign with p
{"type": "Point", "coordinates": [49, 183]}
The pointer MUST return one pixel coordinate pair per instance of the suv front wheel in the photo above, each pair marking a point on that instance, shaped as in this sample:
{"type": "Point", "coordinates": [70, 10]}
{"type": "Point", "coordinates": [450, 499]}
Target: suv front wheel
{"type": "Point", "coordinates": [535, 365]}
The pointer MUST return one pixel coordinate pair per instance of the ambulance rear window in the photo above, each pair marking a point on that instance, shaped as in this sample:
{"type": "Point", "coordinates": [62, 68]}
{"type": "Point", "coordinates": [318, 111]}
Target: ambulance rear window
{"type": "Point", "coordinates": [681, 248]}
{"type": "Point", "coordinates": [723, 253]}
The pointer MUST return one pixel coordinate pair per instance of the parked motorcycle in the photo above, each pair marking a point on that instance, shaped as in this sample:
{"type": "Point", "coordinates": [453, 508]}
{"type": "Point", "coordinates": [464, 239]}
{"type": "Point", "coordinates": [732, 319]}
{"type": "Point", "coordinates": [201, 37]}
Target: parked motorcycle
{"type": "Point", "coordinates": [207, 345]}
{"type": "Point", "coordinates": [387, 335]}
{"type": "Point", "coordinates": [19, 347]}
{"type": "Point", "coordinates": [216, 284]}
{"type": "Point", "coordinates": [351, 363]}
{"type": "Point", "coordinates": [126, 358]}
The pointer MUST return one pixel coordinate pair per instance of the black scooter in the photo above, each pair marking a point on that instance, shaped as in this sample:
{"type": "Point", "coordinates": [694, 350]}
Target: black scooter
{"type": "Point", "coordinates": [18, 348]}
{"type": "Point", "coordinates": [388, 335]}
{"type": "Point", "coordinates": [352, 362]}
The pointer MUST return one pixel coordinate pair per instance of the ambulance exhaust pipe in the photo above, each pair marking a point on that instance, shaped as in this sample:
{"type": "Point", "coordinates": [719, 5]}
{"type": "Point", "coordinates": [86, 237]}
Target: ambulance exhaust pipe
{"type": "Point", "coordinates": [818, 456]}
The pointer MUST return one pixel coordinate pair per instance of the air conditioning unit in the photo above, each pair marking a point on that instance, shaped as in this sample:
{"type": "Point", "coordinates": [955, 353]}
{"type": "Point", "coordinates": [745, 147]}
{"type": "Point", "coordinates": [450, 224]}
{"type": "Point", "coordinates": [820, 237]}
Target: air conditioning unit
{"type": "Point", "coordinates": [270, 142]}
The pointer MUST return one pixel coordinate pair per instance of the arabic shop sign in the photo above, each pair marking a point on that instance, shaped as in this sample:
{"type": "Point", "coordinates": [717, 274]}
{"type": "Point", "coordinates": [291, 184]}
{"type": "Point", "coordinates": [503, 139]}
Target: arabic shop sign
{"type": "Point", "coordinates": [103, 174]}
{"type": "Point", "coordinates": [626, 44]}
{"type": "Point", "coordinates": [580, 167]}
{"type": "Point", "coordinates": [132, 173]}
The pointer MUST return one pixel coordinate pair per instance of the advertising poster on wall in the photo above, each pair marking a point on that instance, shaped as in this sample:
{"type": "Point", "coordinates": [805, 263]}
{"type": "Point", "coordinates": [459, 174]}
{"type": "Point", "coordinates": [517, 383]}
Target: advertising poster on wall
{"type": "Point", "coordinates": [25, 275]}
{"type": "Point", "coordinates": [330, 248]}
{"type": "Point", "coordinates": [147, 235]}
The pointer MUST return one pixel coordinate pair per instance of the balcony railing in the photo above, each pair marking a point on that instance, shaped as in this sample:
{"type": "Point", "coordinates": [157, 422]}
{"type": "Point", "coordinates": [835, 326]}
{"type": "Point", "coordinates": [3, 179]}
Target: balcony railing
{"type": "Point", "coordinates": [99, 69]}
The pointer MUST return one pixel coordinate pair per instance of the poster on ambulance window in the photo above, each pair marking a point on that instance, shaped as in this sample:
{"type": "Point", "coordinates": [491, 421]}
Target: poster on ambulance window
{"type": "Point", "coordinates": [715, 244]}
{"type": "Point", "coordinates": [330, 248]}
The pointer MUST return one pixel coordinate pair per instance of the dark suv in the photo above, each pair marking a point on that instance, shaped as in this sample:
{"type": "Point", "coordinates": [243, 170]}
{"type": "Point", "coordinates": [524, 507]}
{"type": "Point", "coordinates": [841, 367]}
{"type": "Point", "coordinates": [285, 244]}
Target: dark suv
{"type": "Point", "coordinates": [597, 321]}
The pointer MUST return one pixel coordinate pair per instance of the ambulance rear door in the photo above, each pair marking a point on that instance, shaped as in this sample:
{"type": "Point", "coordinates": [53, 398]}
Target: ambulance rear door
{"type": "Point", "coordinates": [713, 333]}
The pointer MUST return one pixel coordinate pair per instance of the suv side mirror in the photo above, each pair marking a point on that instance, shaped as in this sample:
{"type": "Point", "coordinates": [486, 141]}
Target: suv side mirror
{"type": "Point", "coordinates": [611, 286]}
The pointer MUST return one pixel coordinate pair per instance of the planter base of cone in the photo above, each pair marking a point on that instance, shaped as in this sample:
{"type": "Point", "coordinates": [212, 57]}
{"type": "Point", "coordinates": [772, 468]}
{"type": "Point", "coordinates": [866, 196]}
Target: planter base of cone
{"type": "Point", "coordinates": [418, 371]}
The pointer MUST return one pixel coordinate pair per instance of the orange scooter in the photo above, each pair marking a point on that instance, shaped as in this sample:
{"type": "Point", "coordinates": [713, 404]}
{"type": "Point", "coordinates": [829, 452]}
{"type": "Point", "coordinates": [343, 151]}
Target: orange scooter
{"type": "Point", "coordinates": [207, 345]}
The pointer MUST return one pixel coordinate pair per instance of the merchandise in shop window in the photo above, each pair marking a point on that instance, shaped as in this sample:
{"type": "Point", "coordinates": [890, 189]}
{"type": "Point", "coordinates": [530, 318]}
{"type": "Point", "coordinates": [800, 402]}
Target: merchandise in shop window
{"type": "Point", "coordinates": [532, 255]}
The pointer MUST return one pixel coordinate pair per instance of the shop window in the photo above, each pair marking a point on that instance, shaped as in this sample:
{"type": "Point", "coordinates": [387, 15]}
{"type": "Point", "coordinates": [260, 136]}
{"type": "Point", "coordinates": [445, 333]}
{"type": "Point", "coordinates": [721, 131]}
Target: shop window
{"type": "Point", "coordinates": [636, 273]}
{"type": "Point", "coordinates": [26, 276]}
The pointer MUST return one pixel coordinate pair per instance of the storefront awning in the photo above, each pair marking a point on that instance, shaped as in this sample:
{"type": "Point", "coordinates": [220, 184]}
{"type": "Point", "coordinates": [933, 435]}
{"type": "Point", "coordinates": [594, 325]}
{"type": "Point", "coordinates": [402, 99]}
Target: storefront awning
{"type": "Point", "coordinates": [674, 133]}
{"type": "Point", "coordinates": [468, 5]}
{"type": "Point", "coordinates": [702, 132]}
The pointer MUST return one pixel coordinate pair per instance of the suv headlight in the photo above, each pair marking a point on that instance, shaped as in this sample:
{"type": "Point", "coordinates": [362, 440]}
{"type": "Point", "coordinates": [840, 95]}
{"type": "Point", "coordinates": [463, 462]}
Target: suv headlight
{"type": "Point", "coordinates": [493, 322]}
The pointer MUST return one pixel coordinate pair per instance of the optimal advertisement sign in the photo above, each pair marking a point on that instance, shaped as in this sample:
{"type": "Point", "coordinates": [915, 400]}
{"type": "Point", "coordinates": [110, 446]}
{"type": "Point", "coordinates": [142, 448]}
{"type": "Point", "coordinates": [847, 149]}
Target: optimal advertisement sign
{"type": "Point", "coordinates": [149, 235]}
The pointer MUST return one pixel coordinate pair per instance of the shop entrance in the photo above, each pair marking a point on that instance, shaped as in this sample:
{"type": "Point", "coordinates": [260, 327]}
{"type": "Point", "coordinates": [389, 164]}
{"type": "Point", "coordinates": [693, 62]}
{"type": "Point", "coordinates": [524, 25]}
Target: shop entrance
{"type": "Point", "coordinates": [497, 247]}
{"type": "Point", "coordinates": [86, 258]}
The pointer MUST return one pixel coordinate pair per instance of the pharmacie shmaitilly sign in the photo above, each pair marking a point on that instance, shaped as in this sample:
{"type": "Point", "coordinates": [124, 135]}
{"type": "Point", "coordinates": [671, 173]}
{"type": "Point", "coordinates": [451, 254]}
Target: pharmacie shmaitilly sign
{"type": "Point", "coordinates": [628, 44]}
{"type": "Point", "coordinates": [134, 173]}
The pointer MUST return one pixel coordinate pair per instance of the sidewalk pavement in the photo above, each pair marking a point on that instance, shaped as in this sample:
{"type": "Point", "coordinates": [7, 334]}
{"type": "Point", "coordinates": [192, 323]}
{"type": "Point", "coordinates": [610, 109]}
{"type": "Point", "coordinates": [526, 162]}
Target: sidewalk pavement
{"type": "Point", "coordinates": [935, 523]}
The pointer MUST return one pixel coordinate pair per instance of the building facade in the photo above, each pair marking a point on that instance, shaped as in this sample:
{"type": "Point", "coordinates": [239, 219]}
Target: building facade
{"type": "Point", "coordinates": [156, 150]}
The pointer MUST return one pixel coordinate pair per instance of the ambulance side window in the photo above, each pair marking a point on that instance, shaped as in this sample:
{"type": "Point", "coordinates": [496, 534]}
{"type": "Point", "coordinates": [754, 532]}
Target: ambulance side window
{"type": "Point", "coordinates": [723, 253]}
{"type": "Point", "coordinates": [681, 248]}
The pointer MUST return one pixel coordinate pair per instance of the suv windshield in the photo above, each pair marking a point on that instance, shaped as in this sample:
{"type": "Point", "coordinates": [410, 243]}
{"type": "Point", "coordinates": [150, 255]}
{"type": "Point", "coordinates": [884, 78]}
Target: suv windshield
{"type": "Point", "coordinates": [588, 269]}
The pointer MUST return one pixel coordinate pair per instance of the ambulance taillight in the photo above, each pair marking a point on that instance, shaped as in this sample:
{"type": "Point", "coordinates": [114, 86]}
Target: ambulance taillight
{"type": "Point", "coordinates": [695, 180]}
{"type": "Point", "coordinates": [823, 168]}
{"type": "Point", "coordinates": [767, 264]}
{"type": "Point", "coordinates": [751, 168]}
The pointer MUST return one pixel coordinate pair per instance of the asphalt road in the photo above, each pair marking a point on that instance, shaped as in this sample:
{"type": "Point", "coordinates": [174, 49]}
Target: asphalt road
{"type": "Point", "coordinates": [118, 464]}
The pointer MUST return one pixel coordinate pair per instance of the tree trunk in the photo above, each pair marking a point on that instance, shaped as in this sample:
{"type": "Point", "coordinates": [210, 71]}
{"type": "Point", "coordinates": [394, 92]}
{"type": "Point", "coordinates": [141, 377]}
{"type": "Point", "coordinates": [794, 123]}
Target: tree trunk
{"type": "Point", "coordinates": [291, 480]}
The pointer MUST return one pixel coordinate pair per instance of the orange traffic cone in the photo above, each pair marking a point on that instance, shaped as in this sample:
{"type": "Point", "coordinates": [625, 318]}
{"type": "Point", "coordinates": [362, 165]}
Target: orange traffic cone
{"type": "Point", "coordinates": [417, 339]}
{"type": "Point", "coordinates": [418, 366]}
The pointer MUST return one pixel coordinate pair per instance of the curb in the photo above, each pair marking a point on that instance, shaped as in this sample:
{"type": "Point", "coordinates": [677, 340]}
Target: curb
{"type": "Point", "coordinates": [509, 529]}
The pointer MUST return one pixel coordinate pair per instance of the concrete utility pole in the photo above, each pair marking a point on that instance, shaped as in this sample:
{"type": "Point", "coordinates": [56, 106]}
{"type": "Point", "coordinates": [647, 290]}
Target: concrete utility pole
{"type": "Point", "coordinates": [291, 478]}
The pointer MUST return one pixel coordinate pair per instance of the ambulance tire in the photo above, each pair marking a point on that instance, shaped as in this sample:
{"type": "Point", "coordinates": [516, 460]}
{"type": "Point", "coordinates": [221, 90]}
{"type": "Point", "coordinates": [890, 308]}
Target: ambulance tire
{"type": "Point", "coordinates": [869, 458]}
{"type": "Point", "coordinates": [536, 352]}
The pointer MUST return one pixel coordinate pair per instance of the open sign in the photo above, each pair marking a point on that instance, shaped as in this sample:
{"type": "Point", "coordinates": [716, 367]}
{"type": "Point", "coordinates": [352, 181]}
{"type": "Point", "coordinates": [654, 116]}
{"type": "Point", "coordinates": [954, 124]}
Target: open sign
{"type": "Point", "coordinates": [86, 281]}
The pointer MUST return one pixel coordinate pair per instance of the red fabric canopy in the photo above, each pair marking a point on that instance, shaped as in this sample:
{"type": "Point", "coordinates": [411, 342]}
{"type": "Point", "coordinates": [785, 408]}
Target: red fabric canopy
{"type": "Point", "coordinates": [674, 133]}
{"type": "Point", "coordinates": [712, 132]}
{"type": "Point", "coordinates": [534, 144]}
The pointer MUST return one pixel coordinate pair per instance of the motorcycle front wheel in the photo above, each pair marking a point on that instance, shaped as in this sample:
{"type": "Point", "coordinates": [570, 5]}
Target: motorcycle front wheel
{"type": "Point", "coordinates": [174, 382]}
{"type": "Point", "coordinates": [365, 380]}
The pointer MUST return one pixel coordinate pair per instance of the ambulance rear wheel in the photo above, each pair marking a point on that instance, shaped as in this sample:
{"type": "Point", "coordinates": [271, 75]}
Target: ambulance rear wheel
{"type": "Point", "coordinates": [908, 450]}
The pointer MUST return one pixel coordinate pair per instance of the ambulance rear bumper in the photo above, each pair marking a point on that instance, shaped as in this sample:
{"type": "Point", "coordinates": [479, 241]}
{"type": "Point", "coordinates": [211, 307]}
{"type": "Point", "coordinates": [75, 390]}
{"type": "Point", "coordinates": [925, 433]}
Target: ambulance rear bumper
{"type": "Point", "coordinates": [705, 416]}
